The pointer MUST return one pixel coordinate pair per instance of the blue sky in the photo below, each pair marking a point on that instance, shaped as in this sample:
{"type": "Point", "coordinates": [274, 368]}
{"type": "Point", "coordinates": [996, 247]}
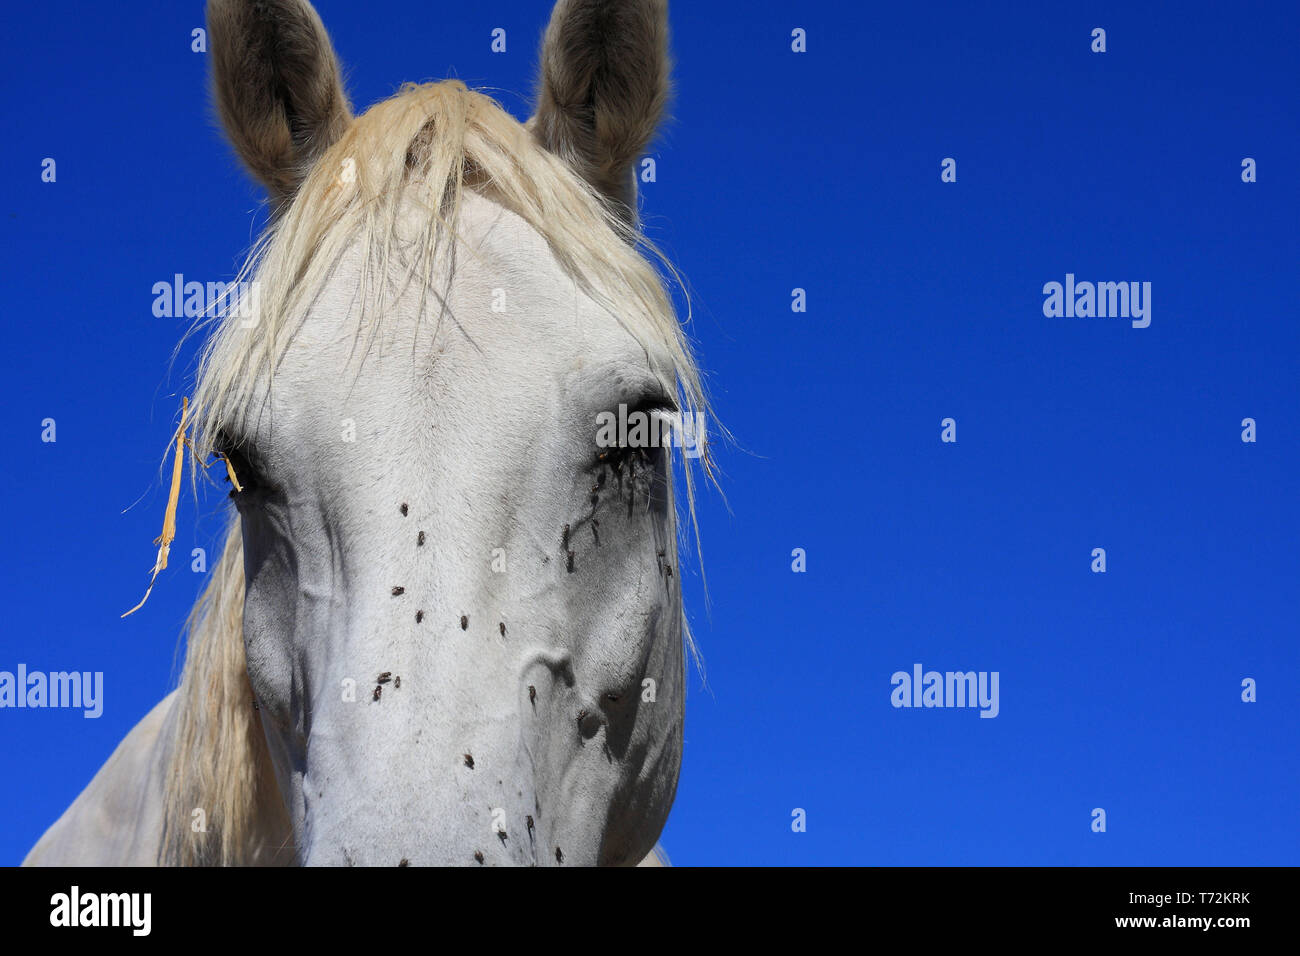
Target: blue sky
{"type": "Point", "coordinates": [820, 171]}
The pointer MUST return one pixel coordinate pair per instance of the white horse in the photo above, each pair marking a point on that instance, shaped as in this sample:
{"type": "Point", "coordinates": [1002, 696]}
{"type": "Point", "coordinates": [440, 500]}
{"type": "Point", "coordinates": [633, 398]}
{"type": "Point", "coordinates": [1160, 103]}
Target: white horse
{"type": "Point", "coordinates": [446, 628]}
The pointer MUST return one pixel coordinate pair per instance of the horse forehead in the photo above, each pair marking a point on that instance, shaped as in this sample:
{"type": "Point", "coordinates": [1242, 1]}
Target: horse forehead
{"type": "Point", "coordinates": [500, 239]}
{"type": "Point", "coordinates": [509, 267]}
{"type": "Point", "coordinates": [516, 317]}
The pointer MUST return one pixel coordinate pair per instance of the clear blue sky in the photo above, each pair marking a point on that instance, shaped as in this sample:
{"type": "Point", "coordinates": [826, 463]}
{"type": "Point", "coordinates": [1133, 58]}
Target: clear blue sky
{"type": "Point", "coordinates": [781, 170]}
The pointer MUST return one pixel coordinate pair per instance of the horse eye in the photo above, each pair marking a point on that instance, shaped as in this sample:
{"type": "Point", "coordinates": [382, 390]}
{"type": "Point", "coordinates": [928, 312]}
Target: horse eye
{"type": "Point", "coordinates": [240, 458]}
{"type": "Point", "coordinates": [637, 432]}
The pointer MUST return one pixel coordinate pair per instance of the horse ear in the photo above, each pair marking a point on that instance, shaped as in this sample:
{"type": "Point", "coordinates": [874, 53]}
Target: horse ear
{"type": "Point", "coordinates": [603, 89]}
{"type": "Point", "coordinates": [277, 86]}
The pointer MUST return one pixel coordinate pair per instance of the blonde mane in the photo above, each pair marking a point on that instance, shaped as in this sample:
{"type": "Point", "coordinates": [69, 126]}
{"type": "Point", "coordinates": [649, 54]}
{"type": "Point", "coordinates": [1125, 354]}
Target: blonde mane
{"type": "Point", "coordinates": [425, 144]}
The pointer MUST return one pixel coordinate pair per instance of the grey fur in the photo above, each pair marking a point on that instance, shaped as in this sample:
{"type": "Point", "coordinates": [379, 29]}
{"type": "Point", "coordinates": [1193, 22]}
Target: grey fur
{"type": "Point", "coordinates": [604, 88]}
{"type": "Point", "coordinates": [277, 86]}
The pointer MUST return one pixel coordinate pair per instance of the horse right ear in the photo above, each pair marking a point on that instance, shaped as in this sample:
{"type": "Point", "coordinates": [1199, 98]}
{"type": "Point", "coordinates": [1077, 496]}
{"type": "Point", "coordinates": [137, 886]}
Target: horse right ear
{"type": "Point", "coordinates": [278, 88]}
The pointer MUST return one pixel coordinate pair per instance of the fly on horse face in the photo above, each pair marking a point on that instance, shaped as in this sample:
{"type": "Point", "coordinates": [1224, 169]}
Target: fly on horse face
{"type": "Point", "coordinates": [449, 301]}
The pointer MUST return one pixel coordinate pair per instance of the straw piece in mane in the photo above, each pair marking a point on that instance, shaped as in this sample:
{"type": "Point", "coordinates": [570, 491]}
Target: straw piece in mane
{"type": "Point", "coordinates": [164, 540]}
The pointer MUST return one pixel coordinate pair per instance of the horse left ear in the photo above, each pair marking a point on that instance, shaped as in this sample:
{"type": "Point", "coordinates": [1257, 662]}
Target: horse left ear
{"type": "Point", "coordinates": [277, 86]}
{"type": "Point", "coordinates": [603, 89]}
